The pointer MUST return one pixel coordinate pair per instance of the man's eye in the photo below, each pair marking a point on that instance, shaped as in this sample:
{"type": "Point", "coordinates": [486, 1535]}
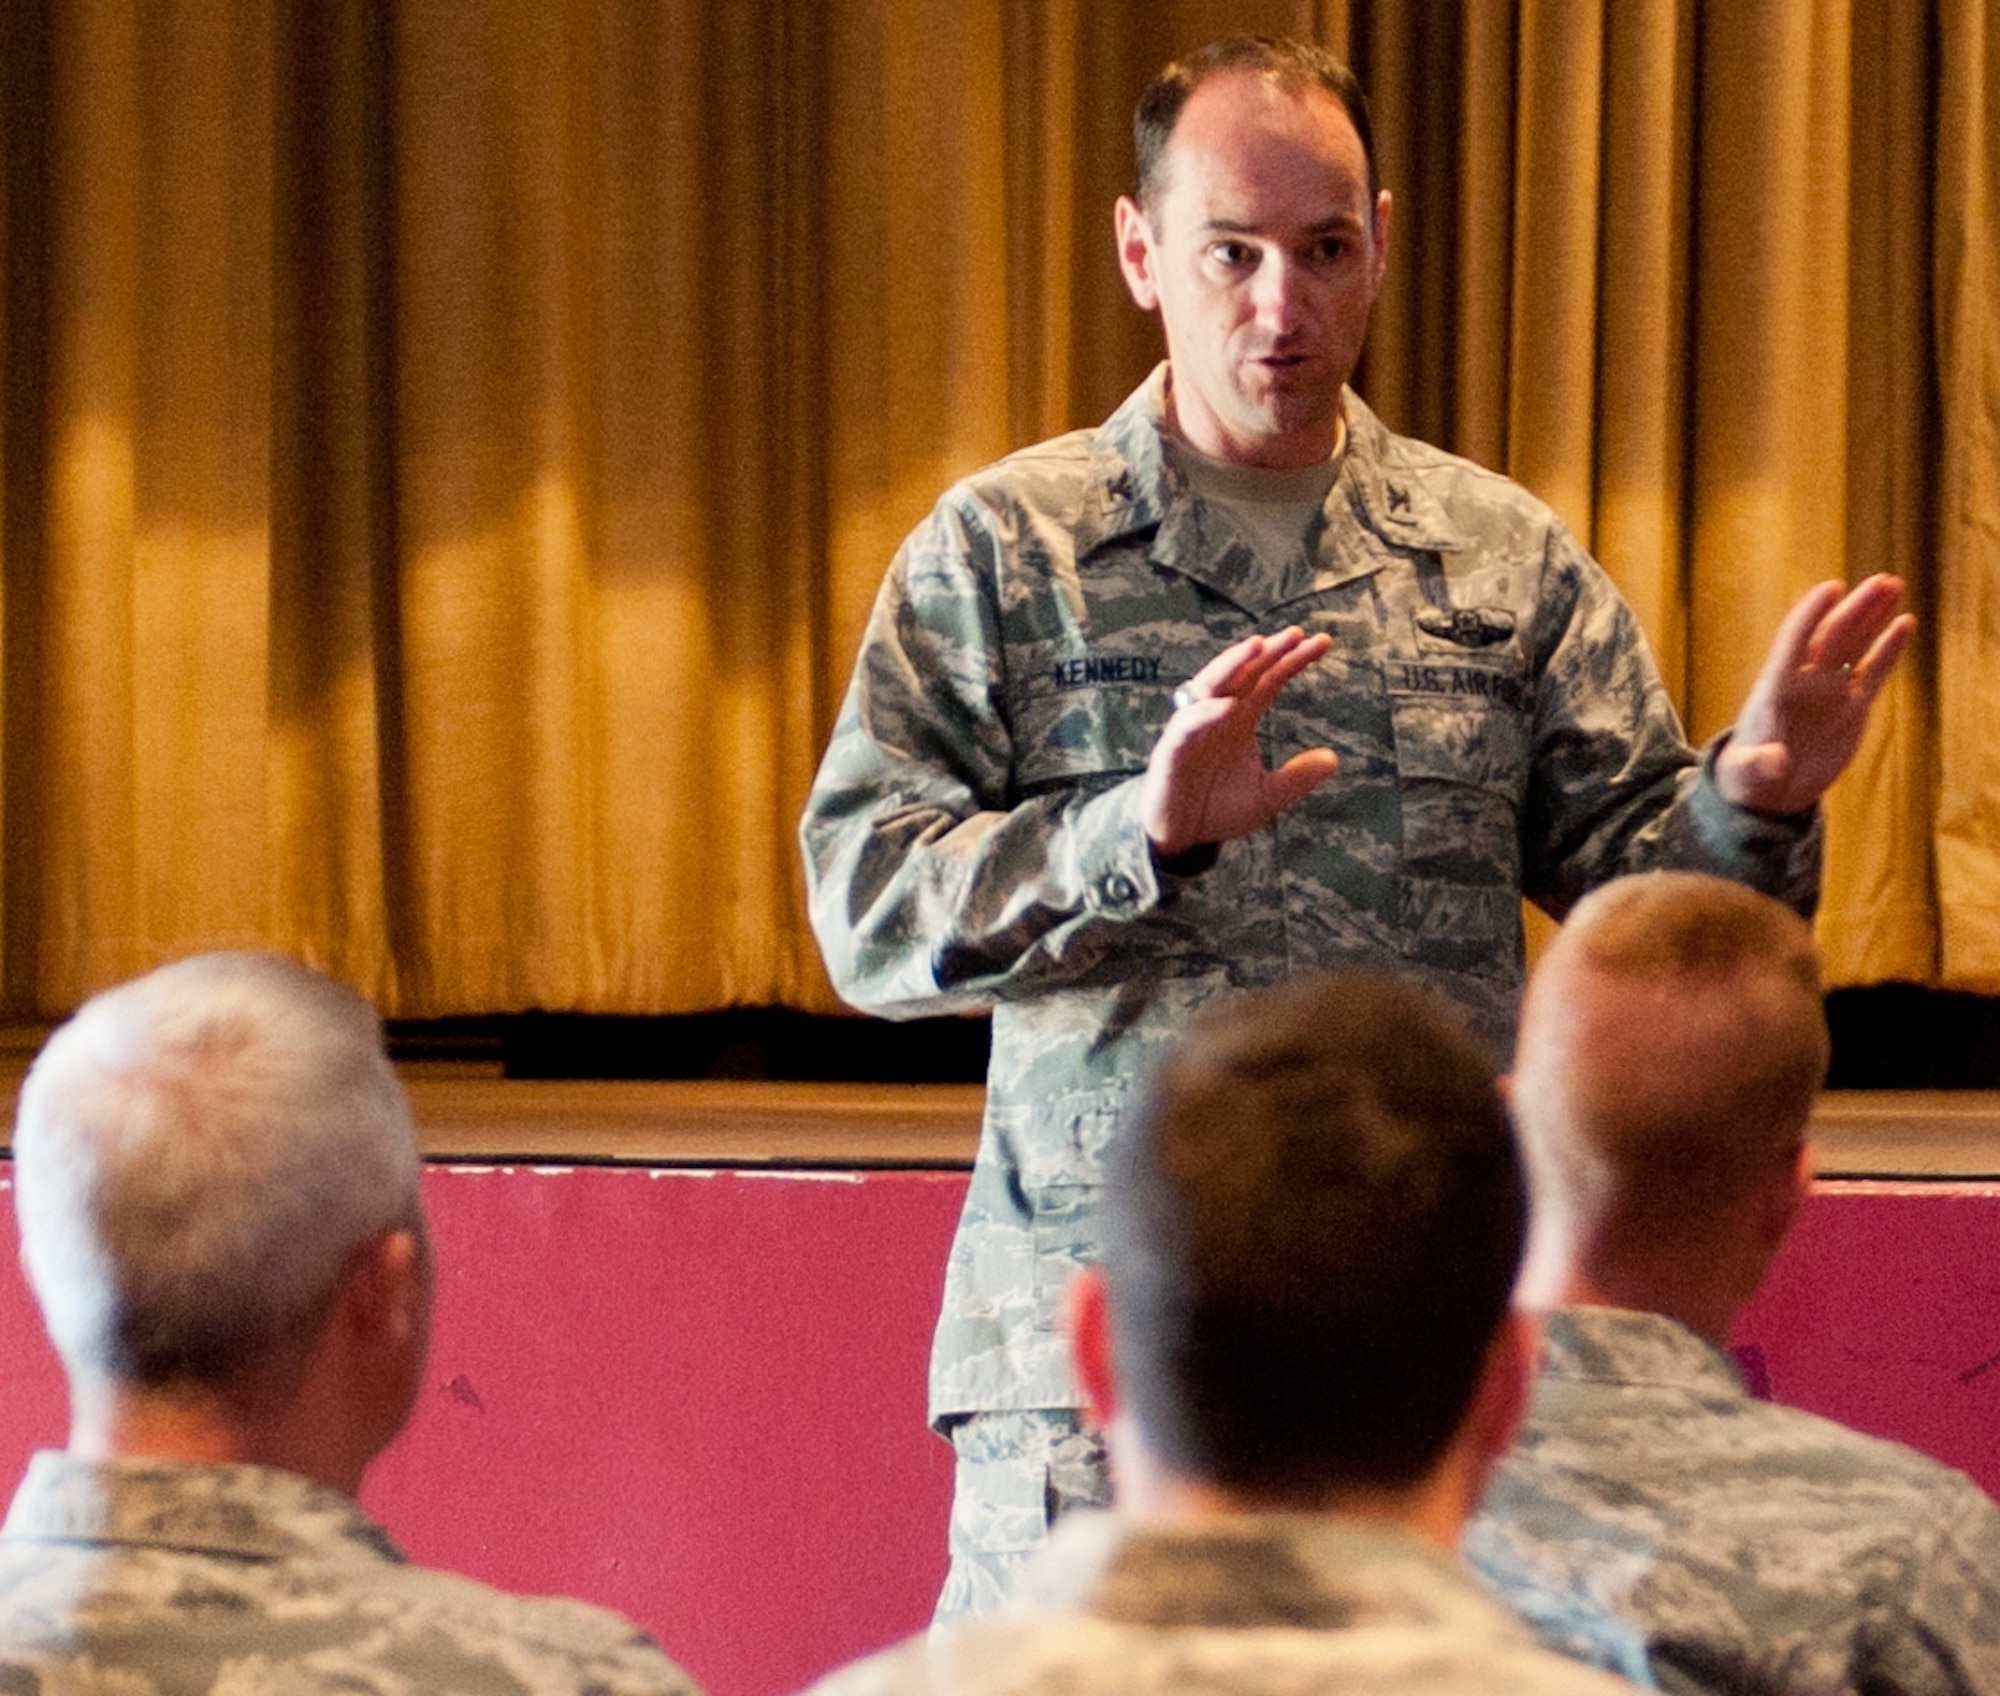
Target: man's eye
{"type": "Point", "coordinates": [1333, 247]}
{"type": "Point", "coordinates": [1231, 253]}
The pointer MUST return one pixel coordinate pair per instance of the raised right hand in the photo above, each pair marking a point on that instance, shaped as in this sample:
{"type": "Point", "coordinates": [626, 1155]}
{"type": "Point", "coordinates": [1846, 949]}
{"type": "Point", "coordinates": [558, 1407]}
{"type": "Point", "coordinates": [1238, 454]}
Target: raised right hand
{"type": "Point", "coordinates": [1206, 781]}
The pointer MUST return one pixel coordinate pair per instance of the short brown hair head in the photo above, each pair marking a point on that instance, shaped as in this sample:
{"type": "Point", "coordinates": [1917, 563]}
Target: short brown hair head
{"type": "Point", "coordinates": [1293, 65]}
{"type": "Point", "coordinates": [1671, 1046]}
{"type": "Point", "coordinates": [1311, 1233]}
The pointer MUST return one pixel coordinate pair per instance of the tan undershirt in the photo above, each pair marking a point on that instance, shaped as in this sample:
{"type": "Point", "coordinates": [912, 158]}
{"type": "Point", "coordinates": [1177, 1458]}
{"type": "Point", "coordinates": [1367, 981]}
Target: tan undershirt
{"type": "Point", "coordinates": [1274, 511]}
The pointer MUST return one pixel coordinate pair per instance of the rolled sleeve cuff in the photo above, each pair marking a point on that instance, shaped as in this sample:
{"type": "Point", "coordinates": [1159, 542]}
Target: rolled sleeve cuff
{"type": "Point", "coordinates": [1780, 855]}
{"type": "Point", "coordinates": [1115, 859]}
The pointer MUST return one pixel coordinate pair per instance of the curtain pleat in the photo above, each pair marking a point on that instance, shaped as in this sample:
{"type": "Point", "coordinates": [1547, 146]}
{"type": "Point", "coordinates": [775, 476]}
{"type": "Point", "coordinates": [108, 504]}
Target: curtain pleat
{"type": "Point", "coordinates": [1770, 303]}
{"type": "Point", "coordinates": [1640, 458]}
{"type": "Point", "coordinates": [1554, 327]}
{"type": "Point", "coordinates": [1966, 289]}
{"type": "Point", "coordinates": [147, 809]}
{"type": "Point", "coordinates": [1880, 918]}
{"type": "Point", "coordinates": [449, 449]}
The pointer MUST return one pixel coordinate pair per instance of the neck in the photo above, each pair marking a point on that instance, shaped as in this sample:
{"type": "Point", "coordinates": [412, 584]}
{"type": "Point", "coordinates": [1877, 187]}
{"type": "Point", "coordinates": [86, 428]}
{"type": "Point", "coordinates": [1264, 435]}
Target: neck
{"type": "Point", "coordinates": [197, 1424]}
{"type": "Point", "coordinates": [1435, 1509]}
{"type": "Point", "coordinates": [1705, 1305]}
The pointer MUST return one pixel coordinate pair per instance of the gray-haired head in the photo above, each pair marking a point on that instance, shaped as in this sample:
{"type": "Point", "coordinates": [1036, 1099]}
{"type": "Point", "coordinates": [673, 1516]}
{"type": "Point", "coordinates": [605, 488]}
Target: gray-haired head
{"type": "Point", "coordinates": [197, 1154]}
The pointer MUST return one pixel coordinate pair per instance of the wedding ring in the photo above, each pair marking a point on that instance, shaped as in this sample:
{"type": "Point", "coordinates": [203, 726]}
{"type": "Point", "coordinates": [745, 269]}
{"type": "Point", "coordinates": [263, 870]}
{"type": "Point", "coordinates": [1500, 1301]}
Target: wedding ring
{"type": "Point", "coordinates": [1181, 698]}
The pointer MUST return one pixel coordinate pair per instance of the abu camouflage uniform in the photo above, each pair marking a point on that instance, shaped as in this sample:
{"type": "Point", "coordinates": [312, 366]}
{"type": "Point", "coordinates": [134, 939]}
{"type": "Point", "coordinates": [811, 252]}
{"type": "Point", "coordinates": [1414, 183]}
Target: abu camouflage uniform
{"type": "Point", "coordinates": [973, 839]}
{"type": "Point", "coordinates": [1017, 1472]}
{"type": "Point", "coordinates": [1253, 1606]}
{"type": "Point", "coordinates": [1759, 1548]}
{"type": "Point", "coordinates": [160, 1578]}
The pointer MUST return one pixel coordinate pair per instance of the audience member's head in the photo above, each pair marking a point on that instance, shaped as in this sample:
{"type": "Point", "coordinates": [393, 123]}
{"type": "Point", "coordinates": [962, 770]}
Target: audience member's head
{"type": "Point", "coordinates": [1312, 1227]}
{"type": "Point", "coordinates": [217, 1186]}
{"type": "Point", "coordinates": [1671, 1045]}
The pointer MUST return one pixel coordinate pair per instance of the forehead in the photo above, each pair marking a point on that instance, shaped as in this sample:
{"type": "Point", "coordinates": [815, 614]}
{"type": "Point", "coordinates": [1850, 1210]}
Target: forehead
{"type": "Point", "coordinates": [1250, 149]}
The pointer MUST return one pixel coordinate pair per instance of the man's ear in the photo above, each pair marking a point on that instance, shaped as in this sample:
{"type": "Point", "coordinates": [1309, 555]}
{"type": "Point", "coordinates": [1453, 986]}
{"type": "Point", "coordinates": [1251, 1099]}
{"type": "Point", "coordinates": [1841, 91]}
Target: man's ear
{"type": "Point", "coordinates": [1380, 232]}
{"type": "Point", "coordinates": [1786, 1195]}
{"type": "Point", "coordinates": [1135, 252]}
{"type": "Point", "coordinates": [384, 1294]}
{"type": "Point", "coordinates": [1501, 1399]}
{"type": "Point", "coordinates": [1087, 1316]}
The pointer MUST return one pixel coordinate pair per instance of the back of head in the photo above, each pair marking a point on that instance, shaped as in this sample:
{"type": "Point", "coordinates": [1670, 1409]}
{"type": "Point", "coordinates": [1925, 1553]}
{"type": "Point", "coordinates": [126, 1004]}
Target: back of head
{"type": "Point", "coordinates": [1294, 65]}
{"type": "Point", "coordinates": [1312, 1228]}
{"type": "Point", "coordinates": [197, 1153]}
{"type": "Point", "coordinates": [1671, 1045]}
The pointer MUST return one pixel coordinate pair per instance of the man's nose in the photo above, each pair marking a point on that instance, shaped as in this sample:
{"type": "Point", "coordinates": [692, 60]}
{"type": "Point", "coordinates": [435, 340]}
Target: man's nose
{"type": "Point", "coordinates": [1276, 291]}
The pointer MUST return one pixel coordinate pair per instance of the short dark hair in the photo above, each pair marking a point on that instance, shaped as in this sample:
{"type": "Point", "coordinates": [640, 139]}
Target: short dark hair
{"type": "Point", "coordinates": [1292, 64]}
{"type": "Point", "coordinates": [1312, 1227]}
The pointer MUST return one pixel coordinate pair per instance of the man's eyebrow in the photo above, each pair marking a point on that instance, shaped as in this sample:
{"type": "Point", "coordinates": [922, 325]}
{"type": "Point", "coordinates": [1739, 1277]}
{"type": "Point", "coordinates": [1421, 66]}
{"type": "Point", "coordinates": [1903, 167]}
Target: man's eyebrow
{"type": "Point", "coordinates": [1340, 223]}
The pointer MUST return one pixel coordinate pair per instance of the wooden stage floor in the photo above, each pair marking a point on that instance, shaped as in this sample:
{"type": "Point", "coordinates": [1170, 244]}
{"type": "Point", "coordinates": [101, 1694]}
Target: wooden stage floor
{"type": "Point", "coordinates": [470, 1112]}
{"type": "Point", "coordinates": [1874, 1134]}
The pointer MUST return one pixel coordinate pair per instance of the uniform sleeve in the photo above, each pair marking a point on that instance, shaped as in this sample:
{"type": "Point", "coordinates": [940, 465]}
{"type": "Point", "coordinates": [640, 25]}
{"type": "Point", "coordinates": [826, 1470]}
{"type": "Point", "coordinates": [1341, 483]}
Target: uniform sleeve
{"type": "Point", "coordinates": [934, 886]}
{"type": "Point", "coordinates": [1950, 1643]}
{"type": "Point", "coordinates": [1615, 786]}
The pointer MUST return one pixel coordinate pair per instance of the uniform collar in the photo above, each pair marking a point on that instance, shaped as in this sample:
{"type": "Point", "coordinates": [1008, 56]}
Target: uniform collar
{"type": "Point", "coordinates": [1619, 1346]}
{"type": "Point", "coordinates": [1133, 486]}
{"type": "Point", "coordinates": [255, 1512]}
{"type": "Point", "coordinates": [1244, 1571]}
{"type": "Point", "coordinates": [1389, 494]}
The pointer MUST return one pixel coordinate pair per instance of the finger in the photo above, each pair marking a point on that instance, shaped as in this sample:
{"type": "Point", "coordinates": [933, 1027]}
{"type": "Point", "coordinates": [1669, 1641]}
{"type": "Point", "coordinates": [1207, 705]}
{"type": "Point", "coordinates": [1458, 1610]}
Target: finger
{"type": "Point", "coordinates": [1274, 651]}
{"type": "Point", "coordinates": [1272, 678]}
{"type": "Point", "coordinates": [1797, 641]}
{"type": "Point", "coordinates": [1217, 677]}
{"type": "Point", "coordinates": [1193, 721]}
{"type": "Point", "coordinates": [1279, 665]}
{"type": "Point", "coordinates": [1850, 628]}
{"type": "Point", "coordinates": [1298, 777]}
{"type": "Point", "coordinates": [1874, 667]}
{"type": "Point", "coordinates": [1237, 669]}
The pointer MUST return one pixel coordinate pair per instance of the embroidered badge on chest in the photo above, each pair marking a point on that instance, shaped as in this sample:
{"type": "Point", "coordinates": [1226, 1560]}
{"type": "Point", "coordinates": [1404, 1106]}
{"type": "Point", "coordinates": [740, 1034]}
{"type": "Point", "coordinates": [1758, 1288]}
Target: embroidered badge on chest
{"type": "Point", "coordinates": [1469, 627]}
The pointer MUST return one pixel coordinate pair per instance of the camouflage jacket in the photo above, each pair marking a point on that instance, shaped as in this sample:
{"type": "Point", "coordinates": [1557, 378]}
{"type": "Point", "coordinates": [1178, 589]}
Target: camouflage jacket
{"type": "Point", "coordinates": [155, 1578]}
{"type": "Point", "coordinates": [1760, 1549]}
{"type": "Point", "coordinates": [1265, 1606]}
{"type": "Point", "coordinates": [973, 838]}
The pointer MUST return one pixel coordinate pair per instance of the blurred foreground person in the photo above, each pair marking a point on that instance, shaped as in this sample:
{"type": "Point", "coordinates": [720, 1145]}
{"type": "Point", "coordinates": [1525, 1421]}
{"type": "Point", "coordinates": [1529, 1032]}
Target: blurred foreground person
{"type": "Point", "coordinates": [1671, 1046]}
{"type": "Point", "coordinates": [217, 1186]}
{"type": "Point", "coordinates": [1300, 1350]}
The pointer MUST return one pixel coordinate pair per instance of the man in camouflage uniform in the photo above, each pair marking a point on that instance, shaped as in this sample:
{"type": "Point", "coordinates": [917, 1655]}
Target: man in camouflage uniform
{"type": "Point", "coordinates": [1047, 793]}
{"type": "Point", "coordinates": [1671, 1046]}
{"type": "Point", "coordinates": [1317, 1191]}
{"type": "Point", "coordinates": [216, 1181]}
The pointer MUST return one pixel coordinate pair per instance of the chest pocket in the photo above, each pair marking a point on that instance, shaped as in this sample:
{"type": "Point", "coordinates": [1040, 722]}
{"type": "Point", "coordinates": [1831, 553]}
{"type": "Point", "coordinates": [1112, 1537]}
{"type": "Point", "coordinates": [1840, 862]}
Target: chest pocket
{"type": "Point", "coordinates": [1092, 702]}
{"type": "Point", "coordinates": [1462, 731]}
{"type": "Point", "coordinates": [1065, 731]}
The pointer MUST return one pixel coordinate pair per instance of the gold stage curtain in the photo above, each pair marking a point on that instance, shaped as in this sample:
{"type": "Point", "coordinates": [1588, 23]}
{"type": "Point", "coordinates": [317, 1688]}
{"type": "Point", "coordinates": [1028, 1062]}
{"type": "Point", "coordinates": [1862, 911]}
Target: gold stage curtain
{"type": "Point", "coordinates": [449, 447]}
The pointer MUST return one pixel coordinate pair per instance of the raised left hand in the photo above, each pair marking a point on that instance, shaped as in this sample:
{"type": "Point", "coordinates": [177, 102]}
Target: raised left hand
{"type": "Point", "coordinates": [1806, 711]}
